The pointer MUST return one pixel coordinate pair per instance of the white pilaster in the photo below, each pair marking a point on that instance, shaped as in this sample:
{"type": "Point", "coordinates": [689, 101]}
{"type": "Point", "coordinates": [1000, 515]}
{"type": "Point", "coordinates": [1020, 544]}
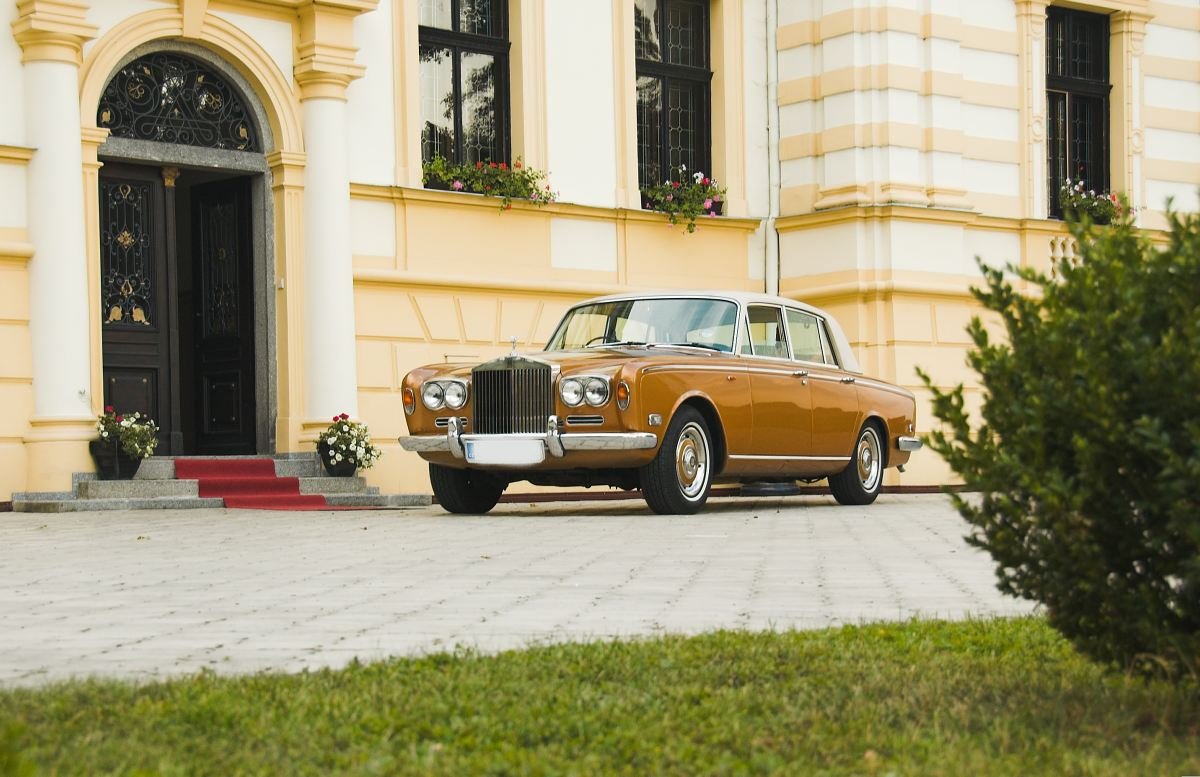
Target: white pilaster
{"type": "Point", "coordinates": [330, 372]}
{"type": "Point", "coordinates": [58, 292]}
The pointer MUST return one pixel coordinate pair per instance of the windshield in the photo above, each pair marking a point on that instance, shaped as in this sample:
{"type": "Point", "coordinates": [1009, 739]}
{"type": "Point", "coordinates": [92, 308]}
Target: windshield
{"type": "Point", "coordinates": [700, 323]}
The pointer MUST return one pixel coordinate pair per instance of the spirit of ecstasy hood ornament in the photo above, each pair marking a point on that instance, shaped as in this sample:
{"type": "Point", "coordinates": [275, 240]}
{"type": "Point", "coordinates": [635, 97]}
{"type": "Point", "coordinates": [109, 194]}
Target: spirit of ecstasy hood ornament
{"type": "Point", "coordinates": [513, 340]}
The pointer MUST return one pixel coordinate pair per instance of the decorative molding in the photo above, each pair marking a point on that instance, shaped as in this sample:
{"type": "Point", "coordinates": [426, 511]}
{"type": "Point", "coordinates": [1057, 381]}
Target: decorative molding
{"type": "Point", "coordinates": [17, 155]}
{"type": "Point", "coordinates": [52, 30]}
{"type": "Point", "coordinates": [325, 47]}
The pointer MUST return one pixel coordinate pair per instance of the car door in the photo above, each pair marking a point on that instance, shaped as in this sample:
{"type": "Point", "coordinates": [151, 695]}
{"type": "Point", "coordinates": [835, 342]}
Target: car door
{"type": "Point", "coordinates": [833, 394]}
{"type": "Point", "coordinates": [779, 390]}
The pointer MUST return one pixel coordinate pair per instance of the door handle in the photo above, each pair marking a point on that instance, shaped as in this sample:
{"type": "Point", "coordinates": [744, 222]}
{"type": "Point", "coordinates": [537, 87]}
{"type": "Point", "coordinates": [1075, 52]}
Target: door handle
{"type": "Point", "coordinates": [847, 380]}
{"type": "Point", "coordinates": [800, 374]}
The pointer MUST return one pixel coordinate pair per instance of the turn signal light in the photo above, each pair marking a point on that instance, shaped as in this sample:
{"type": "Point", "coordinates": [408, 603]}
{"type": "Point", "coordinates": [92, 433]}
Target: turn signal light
{"type": "Point", "coordinates": [410, 400]}
{"type": "Point", "coordinates": [623, 395]}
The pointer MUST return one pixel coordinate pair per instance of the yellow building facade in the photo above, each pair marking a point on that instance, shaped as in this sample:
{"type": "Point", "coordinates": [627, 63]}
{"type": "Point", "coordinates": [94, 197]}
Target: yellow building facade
{"type": "Point", "coordinates": [870, 151]}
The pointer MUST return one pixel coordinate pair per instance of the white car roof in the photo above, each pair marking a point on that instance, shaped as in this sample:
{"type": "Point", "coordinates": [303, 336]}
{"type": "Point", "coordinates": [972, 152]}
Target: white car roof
{"type": "Point", "coordinates": [845, 353]}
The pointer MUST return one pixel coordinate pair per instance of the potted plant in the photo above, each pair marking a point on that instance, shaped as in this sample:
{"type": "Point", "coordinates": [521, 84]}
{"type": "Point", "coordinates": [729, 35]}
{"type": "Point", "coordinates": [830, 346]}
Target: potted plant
{"type": "Point", "coordinates": [1099, 207]}
{"type": "Point", "coordinates": [491, 179]}
{"type": "Point", "coordinates": [125, 439]}
{"type": "Point", "coordinates": [685, 197]}
{"type": "Point", "coordinates": [345, 446]}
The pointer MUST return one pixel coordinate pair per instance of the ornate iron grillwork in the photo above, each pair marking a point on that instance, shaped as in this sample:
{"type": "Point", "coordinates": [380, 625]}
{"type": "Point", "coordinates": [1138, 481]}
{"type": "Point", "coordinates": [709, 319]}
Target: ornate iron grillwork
{"type": "Point", "coordinates": [219, 246]}
{"type": "Point", "coordinates": [125, 253]}
{"type": "Point", "coordinates": [174, 99]}
{"type": "Point", "coordinates": [512, 396]}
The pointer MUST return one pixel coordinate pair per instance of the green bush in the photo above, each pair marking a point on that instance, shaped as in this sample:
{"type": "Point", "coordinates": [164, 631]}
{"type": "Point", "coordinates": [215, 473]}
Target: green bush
{"type": "Point", "coordinates": [1087, 454]}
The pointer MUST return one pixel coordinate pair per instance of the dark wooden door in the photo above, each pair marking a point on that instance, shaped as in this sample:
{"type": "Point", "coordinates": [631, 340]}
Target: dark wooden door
{"type": "Point", "coordinates": [135, 295]}
{"type": "Point", "coordinates": [224, 318]}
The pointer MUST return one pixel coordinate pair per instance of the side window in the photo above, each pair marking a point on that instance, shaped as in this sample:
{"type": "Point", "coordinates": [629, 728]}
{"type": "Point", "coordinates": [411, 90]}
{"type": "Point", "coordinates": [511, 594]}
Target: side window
{"type": "Point", "coordinates": [805, 331]}
{"type": "Point", "coordinates": [766, 332]}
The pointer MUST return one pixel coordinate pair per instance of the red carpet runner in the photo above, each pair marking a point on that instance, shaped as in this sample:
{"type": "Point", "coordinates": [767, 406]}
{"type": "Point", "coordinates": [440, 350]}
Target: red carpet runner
{"type": "Point", "coordinates": [248, 483]}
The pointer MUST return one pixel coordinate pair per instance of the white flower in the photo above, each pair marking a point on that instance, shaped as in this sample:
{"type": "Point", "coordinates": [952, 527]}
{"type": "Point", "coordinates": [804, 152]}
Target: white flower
{"type": "Point", "coordinates": [337, 457]}
{"type": "Point", "coordinates": [699, 176]}
{"type": "Point", "coordinates": [345, 428]}
{"type": "Point", "coordinates": [330, 440]}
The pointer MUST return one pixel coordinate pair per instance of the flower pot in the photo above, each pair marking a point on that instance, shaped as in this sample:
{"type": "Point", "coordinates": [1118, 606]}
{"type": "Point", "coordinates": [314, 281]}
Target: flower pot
{"type": "Point", "coordinates": [112, 463]}
{"type": "Point", "coordinates": [438, 185]}
{"type": "Point", "coordinates": [718, 207]}
{"type": "Point", "coordinates": [335, 469]}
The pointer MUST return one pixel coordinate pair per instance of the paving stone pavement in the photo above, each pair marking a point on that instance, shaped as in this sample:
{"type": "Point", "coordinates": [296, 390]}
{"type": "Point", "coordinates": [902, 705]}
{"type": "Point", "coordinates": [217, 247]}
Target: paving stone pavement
{"type": "Point", "coordinates": [146, 594]}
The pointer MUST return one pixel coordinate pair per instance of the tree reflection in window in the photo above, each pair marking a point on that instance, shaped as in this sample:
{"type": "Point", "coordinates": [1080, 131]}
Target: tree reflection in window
{"type": "Point", "coordinates": [464, 80]}
{"type": "Point", "coordinates": [673, 78]}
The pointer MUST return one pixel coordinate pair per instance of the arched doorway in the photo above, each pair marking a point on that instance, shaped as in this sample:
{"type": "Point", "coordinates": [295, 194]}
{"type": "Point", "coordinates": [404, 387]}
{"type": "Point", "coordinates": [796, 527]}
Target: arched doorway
{"type": "Point", "coordinates": [185, 239]}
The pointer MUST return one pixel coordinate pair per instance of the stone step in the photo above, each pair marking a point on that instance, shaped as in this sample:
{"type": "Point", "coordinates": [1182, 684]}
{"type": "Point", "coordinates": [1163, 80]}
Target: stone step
{"type": "Point", "coordinates": [327, 485]}
{"type": "Point", "coordinates": [81, 505]}
{"type": "Point", "coordinates": [378, 500]}
{"type": "Point", "coordinates": [136, 489]}
{"type": "Point", "coordinates": [291, 465]}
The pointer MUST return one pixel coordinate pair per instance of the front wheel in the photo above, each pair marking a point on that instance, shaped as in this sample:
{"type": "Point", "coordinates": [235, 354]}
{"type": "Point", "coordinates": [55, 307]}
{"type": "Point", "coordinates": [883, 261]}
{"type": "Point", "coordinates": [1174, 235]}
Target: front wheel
{"type": "Point", "coordinates": [677, 481]}
{"type": "Point", "coordinates": [465, 490]}
{"type": "Point", "coordinates": [860, 481]}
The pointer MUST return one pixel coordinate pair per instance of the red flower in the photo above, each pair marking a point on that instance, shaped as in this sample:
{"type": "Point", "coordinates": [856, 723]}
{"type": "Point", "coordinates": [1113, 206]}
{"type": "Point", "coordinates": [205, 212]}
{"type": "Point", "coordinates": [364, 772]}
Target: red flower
{"type": "Point", "coordinates": [337, 418]}
{"type": "Point", "coordinates": [119, 419]}
{"type": "Point", "coordinates": [492, 165]}
{"type": "Point", "coordinates": [108, 408]}
{"type": "Point", "coordinates": [706, 182]}
{"type": "Point", "coordinates": [487, 188]}
{"type": "Point", "coordinates": [517, 164]}
{"type": "Point", "coordinates": [344, 417]}
{"type": "Point", "coordinates": [478, 165]}
{"type": "Point", "coordinates": [508, 206]}
{"type": "Point", "coordinates": [675, 184]}
{"type": "Point", "coordinates": [503, 166]}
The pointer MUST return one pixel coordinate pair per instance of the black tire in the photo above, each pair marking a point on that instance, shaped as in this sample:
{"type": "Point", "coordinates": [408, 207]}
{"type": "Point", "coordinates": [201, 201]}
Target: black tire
{"type": "Point", "coordinates": [465, 490]}
{"type": "Point", "coordinates": [678, 480]}
{"type": "Point", "coordinates": [859, 483]}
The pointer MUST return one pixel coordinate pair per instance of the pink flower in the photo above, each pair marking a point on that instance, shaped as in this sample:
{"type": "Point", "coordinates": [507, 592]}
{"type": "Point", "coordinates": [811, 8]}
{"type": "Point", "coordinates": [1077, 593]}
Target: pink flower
{"type": "Point", "coordinates": [670, 197]}
{"type": "Point", "coordinates": [108, 408]}
{"type": "Point", "coordinates": [457, 186]}
{"type": "Point", "coordinates": [708, 204]}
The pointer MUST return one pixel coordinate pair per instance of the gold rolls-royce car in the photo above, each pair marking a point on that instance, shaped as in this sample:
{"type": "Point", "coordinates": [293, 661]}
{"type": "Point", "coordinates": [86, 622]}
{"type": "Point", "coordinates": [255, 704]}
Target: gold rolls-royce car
{"type": "Point", "coordinates": [667, 393]}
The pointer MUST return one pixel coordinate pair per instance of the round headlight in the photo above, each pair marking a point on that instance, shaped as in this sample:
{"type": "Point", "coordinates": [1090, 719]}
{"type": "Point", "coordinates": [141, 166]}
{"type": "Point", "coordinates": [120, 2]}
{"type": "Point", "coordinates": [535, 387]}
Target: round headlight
{"type": "Point", "coordinates": [571, 391]}
{"type": "Point", "coordinates": [456, 395]}
{"type": "Point", "coordinates": [433, 396]}
{"type": "Point", "coordinates": [596, 392]}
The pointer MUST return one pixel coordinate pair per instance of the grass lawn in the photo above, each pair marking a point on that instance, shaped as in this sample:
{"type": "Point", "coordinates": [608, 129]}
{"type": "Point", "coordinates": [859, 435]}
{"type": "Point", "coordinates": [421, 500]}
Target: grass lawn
{"type": "Point", "coordinates": [1005, 697]}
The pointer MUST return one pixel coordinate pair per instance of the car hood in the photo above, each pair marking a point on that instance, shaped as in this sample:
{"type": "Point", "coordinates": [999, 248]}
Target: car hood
{"type": "Point", "coordinates": [597, 359]}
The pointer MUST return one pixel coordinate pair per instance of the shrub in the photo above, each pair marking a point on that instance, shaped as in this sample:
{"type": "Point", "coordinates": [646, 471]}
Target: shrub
{"type": "Point", "coordinates": [1101, 207]}
{"type": "Point", "coordinates": [1087, 454]}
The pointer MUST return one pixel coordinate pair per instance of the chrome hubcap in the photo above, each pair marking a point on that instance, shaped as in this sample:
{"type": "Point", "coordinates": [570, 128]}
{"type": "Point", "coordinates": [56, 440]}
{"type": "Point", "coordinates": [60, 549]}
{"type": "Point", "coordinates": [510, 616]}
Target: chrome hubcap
{"type": "Point", "coordinates": [691, 461]}
{"type": "Point", "coordinates": [870, 463]}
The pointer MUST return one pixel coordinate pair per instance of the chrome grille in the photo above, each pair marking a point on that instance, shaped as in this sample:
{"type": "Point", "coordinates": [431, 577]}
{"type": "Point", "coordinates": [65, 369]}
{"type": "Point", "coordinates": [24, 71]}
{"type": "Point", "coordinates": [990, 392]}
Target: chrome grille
{"type": "Point", "coordinates": [512, 396]}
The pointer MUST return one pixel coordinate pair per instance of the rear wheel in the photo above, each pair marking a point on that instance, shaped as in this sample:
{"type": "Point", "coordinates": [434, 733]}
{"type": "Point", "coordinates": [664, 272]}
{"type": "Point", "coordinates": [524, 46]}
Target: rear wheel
{"type": "Point", "coordinates": [860, 481]}
{"type": "Point", "coordinates": [677, 481]}
{"type": "Point", "coordinates": [465, 490]}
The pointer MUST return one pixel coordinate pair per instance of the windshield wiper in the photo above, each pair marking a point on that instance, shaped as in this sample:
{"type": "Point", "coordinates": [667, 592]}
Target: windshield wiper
{"type": "Point", "coordinates": [706, 346]}
{"type": "Point", "coordinates": [615, 344]}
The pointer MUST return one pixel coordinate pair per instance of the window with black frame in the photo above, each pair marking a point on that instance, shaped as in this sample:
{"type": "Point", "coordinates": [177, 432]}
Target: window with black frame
{"type": "Point", "coordinates": [671, 51]}
{"type": "Point", "coordinates": [1076, 101]}
{"type": "Point", "coordinates": [464, 80]}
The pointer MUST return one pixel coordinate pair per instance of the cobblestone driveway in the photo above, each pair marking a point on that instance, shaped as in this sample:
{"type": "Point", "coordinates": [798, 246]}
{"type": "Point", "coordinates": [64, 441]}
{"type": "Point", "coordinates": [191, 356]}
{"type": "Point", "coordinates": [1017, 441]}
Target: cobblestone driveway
{"type": "Point", "coordinates": [151, 594]}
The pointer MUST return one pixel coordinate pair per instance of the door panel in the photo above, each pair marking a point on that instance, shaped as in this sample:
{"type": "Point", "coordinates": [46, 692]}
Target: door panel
{"type": "Point", "coordinates": [224, 326]}
{"type": "Point", "coordinates": [835, 412]}
{"type": "Point", "coordinates": [782, 409]}
{"type": "Point", "coordinates": [135, 318]}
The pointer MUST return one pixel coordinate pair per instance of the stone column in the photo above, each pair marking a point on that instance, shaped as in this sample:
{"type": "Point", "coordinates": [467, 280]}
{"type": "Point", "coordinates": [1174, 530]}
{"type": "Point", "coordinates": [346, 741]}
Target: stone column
{"type": "Point", "coordinates": [324, 68]}
{"type": "Point", "coordinates": [1127, 35]}
{"type": "Point", "coordinates": [51, 34]}
{"type": "Point", "coordinates": [1031, 37]}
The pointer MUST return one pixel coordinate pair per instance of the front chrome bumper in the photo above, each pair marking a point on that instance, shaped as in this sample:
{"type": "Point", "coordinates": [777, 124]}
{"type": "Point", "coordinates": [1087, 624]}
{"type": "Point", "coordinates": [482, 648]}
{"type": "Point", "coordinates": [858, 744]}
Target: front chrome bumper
{"type": "Point", "coordinates": [557, 443]}
{"type": "Point", "coordinates": [909, 443]}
